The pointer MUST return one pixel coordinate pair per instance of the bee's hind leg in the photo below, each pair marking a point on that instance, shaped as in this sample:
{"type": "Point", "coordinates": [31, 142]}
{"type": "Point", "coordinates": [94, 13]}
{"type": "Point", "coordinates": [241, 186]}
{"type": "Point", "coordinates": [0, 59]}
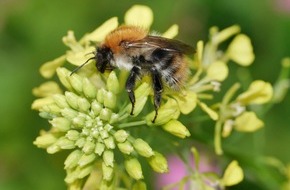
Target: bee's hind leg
{"type": "Point", "coordinates": [130, 84]}
{"type": "Point", "coordinates": [157, 88]}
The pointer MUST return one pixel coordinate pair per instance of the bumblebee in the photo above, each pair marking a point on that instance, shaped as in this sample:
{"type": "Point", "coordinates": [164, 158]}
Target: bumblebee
{"type": "Point", "coordinates": [133, 49]}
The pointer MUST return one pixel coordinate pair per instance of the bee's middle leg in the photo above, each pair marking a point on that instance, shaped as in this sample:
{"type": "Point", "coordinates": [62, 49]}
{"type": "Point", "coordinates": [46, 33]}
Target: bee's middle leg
{"type": "Point", "coordinates": [130, 84]}
{"type": "Point", "coordinates": [157, 88]}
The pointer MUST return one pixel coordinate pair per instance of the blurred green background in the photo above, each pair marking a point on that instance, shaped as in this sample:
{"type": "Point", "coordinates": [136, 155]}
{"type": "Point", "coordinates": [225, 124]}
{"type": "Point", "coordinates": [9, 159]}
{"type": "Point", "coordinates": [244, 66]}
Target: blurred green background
{"type": "Point", "coordinates": [31, 32]}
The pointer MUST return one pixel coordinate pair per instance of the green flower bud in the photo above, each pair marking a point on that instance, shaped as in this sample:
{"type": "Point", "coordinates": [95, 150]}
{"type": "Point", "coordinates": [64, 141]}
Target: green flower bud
{"type": "Point", "coordinates": [114, 118]}
{"type": "Point", "coordinates": [139, 105]}
{"type": "Point", "coordinates": [96, 107]}
{"type": "Point", "coordinates": [104, 134]}
{"type": "Point", "coordinates": [121, 135]}
{"type": "Point", "coordinates": [141, 94]}
{"type": "Point", "coordinates": [65, 143]}
{"type": "Point", "coordinates": [110, 100]}
{"type": "Point", "coordinates": [86, 159]}
{"type": "Point", "coordinates": [72, 135]}
{"type": "Point", "coordinates": [143, 90]}
{"type": "Point", "coordinates": [100, 147]}
{"type": "Point", "coordinates": [125, 147]}
{"type": "Point", "coordinates": [79, 121]}
{"type": "Point", "coordinates": [45, 140]}
{"type": "Point", "coordinates": [62, 124]}
{"type": "Point", "coordinates": [139, 185]}
{"type": "Point", "coordinates": [108, 172]}
{"type": "Point", "coordinates": [72, 99]}
{"type": "Point", "coordinates": [83, 104]}
{"type": "Point", "coordinates": [39, 103]}
{"type": "Point", "coordinates": [85, 171]}
{"type": "Point", "coordinates": [108, 127]}
{"type": "Point", "coordinates": [113, 83]}
{"type": "Point", "coordinates": [71, 176]}
{"type": "Point", "coordinates": [168, 111]}
{"type": "Point", "coordinates": [89, 147]}
{"type": "Point", "coordinates": [46, 115]}
{"type": "Point", "coordinates": [95, 133]}
{"type": "Point", "coordinates": [60, 101]}
{"type": "Point", "coordinates": [105, 114]}
{"type": "Point", "coordinates": [89, 89]}
{"type": "Point", "coordinates": [109, 142]}
{"type": "Point", "coordinates": [133, 168]}
{"type": "Point", "coordinates": [76, 82]}
{"type": "Point", "coordinates": [72, 159]}
{"type": "Point", "coordinates": [53, 149]}
{"type": "Point", "coordinates": [69, 113]}
{"type": "Point", "coordinates": [80, 142]}
{"type": "Point", "coordinates": [100, 95]}
{"type": "Point", "coordinates": [158, 163]}
{"type": "Point", "coordinates": [62, 74]}
{"type": "Point", "coordinates": [52, 109]}
{"type": "Point", "coordinates": [176, 128]}
{"type": "Point", "coordinates": [108, 157]}
{"type": "Point", "coordinates": [143, 148]}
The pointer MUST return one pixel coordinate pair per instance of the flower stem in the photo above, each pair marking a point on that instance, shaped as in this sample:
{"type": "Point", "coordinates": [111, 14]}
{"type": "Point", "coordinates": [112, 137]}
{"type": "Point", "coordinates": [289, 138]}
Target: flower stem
{"type": "Point", "coordinates": [132, 124]}
{"type": "Point", "coordinates": [217, 138]}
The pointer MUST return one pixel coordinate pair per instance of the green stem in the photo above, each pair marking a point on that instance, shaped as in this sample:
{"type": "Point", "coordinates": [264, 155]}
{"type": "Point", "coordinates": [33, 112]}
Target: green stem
{"type": "Point", "coordinates": [217, 138]}
{"type": "Point", "coordinates": [132, 124]}
{"type": "Point", "coordinates": [230, 93]}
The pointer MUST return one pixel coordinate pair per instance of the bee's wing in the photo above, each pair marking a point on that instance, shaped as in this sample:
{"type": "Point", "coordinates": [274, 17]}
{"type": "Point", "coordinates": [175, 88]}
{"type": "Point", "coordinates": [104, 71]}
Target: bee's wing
{"type": "Point", "coordinates": [162, 43]}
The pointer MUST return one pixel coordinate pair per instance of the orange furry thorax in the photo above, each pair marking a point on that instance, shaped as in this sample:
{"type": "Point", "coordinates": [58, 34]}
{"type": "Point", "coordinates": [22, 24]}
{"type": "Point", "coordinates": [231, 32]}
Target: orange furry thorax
{"type": "Point", "coordinates": [123, 33]}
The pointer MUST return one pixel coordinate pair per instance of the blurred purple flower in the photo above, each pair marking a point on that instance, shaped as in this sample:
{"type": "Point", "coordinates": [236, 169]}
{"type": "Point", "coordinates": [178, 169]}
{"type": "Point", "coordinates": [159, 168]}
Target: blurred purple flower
{"type": "Point", "coordinates": [178, 170]}
{"type": "Point", "coordinates": [283, 5]}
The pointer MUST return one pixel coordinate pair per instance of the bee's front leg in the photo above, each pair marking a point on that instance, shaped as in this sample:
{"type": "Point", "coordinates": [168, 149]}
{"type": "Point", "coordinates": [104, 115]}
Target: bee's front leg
{"type": "Point", "coordinates": [157, 88]}
{"type": "Point", "coordinates": [130, 84]}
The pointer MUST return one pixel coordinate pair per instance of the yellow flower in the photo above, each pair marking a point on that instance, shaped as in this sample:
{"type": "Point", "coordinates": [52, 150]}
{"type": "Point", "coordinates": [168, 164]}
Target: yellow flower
{"type": "Point", "coordinates": [241, 51]}
{"type": "Point", "coordinates": [139, 15]}
{"type": "Point", "coordinates": [217, 71]}
{"type": "Point", "coordinates": [233, 174]}
{"type": "Point", "coordinates": [247, 122]}
{"type": "Point", "coordinates": [259, 92]}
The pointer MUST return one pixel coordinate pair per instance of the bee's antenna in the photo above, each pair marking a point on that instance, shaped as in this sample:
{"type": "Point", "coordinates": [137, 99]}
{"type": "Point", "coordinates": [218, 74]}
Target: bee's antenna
{"type": "Point", "coordinates": [79, 67]}
{"type": "Point", "coordinates": [92, 52]}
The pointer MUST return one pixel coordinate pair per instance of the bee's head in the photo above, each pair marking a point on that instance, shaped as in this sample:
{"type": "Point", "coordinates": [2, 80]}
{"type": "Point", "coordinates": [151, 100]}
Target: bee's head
{"type": "Point", "coordinates": [103, 57]}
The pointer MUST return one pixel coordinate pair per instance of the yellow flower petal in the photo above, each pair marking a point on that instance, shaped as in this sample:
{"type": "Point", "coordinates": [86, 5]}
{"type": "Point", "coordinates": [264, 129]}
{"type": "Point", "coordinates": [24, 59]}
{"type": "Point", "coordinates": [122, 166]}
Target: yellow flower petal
{"type": "Point", "coordinates": [199, 51]}
{"type": "Point", "coordinates": [139, 15]}
{"type": "Point", "coordinates": [186, 102]}
{"type": "Point", "coordinates": [171, 32]}
{"type": "Point", "coordinates": [241, 51]}
{"type": "Point", "coordinates": [70, 41]}
{"type": "Point", "coordinates": [80, 57]}
{"type": "Point", "coordinates": [223, 35]}
{"type": "Point", "coordinates": [218, 71]}
{"type": "Point", "coordinates": [248, 122]}
{"type": "Point", "coordinates": [48, 69]}
{"type": "Point", "coordinates": [46, 89]}
{"type": "Point", "coordinates": [101, 32]}
{"type": "Point", "coordinates": [158, 163]}
{"type": "Point", "coordinates": [259, 92]}
{"type": "Point", "coordinates": [233, 174]}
